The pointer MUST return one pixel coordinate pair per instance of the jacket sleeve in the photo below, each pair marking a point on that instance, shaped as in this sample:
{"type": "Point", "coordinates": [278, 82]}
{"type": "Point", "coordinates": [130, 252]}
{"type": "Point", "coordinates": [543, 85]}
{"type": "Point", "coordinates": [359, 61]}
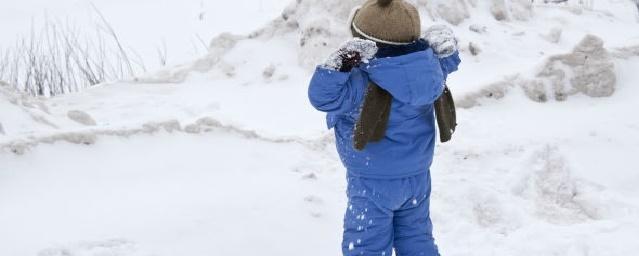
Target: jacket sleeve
{"type": "Point", "coordinates": [337, 92]}
{"type": "Point", "coordinates": [450, 64]}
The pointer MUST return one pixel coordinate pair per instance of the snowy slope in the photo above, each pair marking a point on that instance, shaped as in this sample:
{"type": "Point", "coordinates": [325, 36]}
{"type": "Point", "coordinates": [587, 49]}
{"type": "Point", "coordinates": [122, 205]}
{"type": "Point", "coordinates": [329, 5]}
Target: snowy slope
{"type": "Point", "coordinates": [224, 155]}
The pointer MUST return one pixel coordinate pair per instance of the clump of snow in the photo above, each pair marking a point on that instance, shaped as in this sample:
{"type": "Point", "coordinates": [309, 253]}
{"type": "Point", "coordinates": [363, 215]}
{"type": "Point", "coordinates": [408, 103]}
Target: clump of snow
{"type": "Point", "coordinates": [22, 100]}
{"type": "Point", "coordinates": [115, 247]}
{"type": "Point", "coordinates": [321, 25]}
{"type": "Point", "coordinates": [1, 129]}
{"type": "Point", "coordinates": [521, 10]}
{"type": "Point", "coordinates": [555, 191]}
{"type": "Point", "coordinates": [535, 90]}
{"type": "Point", "coordinates": [554, 35]}
{"type": "Point", "coordinates": [497, 90]}
{"type": "Point", "coordinates": [588, 69]}
{"type": "Point", "coordinates": [474, 48]}
{"type": "Point", "coordinates": [626, 52]}
{"type": "Point", "coordinates": [452, 11]}
{"type": "Point", "coordinates": [25, 113]}
{"type": "Point", "coordinates": [498, 9]}
{"type": "Point", "coordinates": [224, 42]}
{"type": "Point", "coordinates": [269, 71]}
{"type": "Point", "coordinates": [457, 11]}
{"type": "Point", "coordinates": [81, 117]}
{"type": "Point", "coordinates": [168, 126]}
{"type": "Point", "coordinates": [203, 125]}
{"type": "Point", "coordinates": [490, 213]}
{"type": "Point", "coordinates": [218, 47]}
{"type": "Point", "coordinates": [477, 28]}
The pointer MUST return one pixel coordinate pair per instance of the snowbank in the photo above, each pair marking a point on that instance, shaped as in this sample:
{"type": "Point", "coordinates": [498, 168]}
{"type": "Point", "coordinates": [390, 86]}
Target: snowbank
{"type": "Point", "coordinates": [588, 69]}
{"type": "Point", "coordinates": [225, 151]}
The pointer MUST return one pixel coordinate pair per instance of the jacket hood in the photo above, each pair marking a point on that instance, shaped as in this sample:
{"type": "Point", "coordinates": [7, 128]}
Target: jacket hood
{"type": "Point", "coordinates": [416, 79]}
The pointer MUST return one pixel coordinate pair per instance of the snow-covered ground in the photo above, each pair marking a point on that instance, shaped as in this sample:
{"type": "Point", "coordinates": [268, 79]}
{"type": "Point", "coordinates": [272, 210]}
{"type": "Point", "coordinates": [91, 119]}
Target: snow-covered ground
{"type": "Point", "coordinates": [224, 155]}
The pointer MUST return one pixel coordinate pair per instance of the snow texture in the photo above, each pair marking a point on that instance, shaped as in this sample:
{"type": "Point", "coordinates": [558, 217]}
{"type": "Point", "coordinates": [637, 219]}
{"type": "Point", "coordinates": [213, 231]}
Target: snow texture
{"type": "Point", "coordinates": [452, 11]}
{"type": "Point", "coordinates": [554, 35]}
{"type": "Point", "coordinates": [81, 117]}
{"type": "Point", "coordinates": [588, 69]}
{"type": "Point", "coordinates": [498, 9]}
{"type": "Point", "coordinates": [474, 48]}
{"type": "Point", "coordinates": [112, 247]}
{"type": "Point", "coordinates": [224, 150]}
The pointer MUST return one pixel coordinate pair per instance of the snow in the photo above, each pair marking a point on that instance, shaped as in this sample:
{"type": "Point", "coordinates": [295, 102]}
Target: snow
{"type": "Point", "coordinates": [168, 194]}
{"type": "Point", "coordinates": [223, 154]}
{"type": "Point", "coordinates": [145, 25]}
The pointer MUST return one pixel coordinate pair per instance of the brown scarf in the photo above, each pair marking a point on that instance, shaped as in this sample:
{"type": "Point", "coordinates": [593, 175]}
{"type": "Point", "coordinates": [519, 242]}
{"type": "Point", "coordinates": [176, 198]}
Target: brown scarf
{"type": "Point", "coordinates": [373, 121]}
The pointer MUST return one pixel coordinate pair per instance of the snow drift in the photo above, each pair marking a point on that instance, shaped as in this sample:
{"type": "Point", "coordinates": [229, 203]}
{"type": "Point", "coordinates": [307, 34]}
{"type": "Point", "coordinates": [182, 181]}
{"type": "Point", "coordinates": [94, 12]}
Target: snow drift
{"type": "Point", "coordinates": [225, 151]}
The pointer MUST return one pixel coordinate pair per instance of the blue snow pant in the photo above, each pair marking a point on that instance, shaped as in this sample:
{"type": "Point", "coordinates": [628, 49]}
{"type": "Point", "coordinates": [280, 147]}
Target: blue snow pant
{"type": "Point", "coordinates": [387, 214]}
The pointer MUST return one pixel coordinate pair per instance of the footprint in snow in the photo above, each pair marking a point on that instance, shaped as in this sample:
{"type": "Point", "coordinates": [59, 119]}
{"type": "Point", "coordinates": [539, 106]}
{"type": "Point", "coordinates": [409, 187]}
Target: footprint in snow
{"type": "Point", "coordinates": [313, 199]}
{"type": "Point", "coordinates": [81, 117]}
{"type": "Point", "coordinates": [310, 176]}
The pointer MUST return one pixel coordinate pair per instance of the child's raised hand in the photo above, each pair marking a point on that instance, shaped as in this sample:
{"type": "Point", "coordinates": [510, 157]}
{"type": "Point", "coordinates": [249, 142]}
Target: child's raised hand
{"type": "Point", "coordinates": [351, 54]}
{"type": "Point", "coordinates": [442, 40]}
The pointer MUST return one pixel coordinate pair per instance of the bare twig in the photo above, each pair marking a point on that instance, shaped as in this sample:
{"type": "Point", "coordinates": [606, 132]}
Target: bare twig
{"type": "Point", "coordinates": [59, 58]}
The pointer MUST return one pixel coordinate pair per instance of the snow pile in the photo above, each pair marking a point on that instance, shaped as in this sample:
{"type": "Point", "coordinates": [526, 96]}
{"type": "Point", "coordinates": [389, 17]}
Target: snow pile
{"type": "Point", "coordinates": [554, 190]}
{"type": "Point", "coordinates": [226, 151]}
{"type": "Point", "coordinates": [457, 11]}
{"type": "Point", "coordinates": [21, 113]}
{"type": "Point", "coordinates": [309, 31]}
{"type": "Point", "coordinates": [588, 69]}
{"type": "Point", "coordinates": [319, 27]}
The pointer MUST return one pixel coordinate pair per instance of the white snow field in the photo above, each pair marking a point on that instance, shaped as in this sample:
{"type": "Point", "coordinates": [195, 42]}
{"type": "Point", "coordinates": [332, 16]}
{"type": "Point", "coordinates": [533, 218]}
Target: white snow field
{"type": "Point", "coordinates": [223, 155]}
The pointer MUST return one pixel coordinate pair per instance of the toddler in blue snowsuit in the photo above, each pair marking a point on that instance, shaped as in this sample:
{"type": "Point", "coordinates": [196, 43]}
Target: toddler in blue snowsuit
{"type": "Point", "coordinates": [389, 182]}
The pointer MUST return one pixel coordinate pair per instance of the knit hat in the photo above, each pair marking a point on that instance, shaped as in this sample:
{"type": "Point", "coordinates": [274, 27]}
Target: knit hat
{"type": "Point", "coordinates": [394, 22]}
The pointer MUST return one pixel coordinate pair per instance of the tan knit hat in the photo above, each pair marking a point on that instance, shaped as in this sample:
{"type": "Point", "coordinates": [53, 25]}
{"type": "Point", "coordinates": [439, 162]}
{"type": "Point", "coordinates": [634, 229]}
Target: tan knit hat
{"type": "Point", "coordinates": [394, 22]}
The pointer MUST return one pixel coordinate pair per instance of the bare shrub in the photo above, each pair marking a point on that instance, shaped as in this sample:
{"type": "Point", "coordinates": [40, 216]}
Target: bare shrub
{"type": "Point", "coordinates": [58, 58]}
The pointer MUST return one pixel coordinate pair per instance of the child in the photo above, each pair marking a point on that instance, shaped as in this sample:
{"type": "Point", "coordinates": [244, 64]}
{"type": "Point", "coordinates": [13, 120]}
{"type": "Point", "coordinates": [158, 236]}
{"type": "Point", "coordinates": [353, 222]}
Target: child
{"type": "Point", "coordinates": [378, 91]}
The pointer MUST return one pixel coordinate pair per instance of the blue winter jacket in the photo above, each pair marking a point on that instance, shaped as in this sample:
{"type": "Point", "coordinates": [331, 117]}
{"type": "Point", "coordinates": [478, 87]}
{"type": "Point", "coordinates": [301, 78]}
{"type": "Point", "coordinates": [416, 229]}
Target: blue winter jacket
{"type": "Point", "coordinates": [415, 77]}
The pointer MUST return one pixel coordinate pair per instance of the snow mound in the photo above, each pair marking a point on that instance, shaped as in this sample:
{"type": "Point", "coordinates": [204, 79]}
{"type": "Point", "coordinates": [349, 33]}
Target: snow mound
{"type": "Point", "coordinates": [491, 33]}
{"type": "Point", "coordinates": [588, 69]}
{"type": "Point", "coordinates": [454, 12]}
{"type": "Point", "coordinates": [554, 189]}
{"type": "Point", "coordinates": [169, 156]}
{"type": "Point", "coordinates": [21, 113]}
